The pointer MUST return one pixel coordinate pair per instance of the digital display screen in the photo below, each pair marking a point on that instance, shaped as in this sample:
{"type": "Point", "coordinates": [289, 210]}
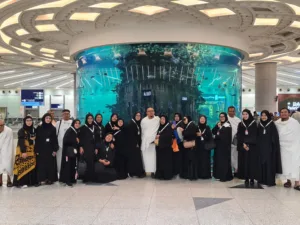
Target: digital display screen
{"type": "Point", "coordinates": [57, 106]}
{"type": "Point", "coordinates": [147, 93]}
{"type": "Point", "coordinates": [184, 99]}
{"type": "Point", "coordinates": [32, 97]}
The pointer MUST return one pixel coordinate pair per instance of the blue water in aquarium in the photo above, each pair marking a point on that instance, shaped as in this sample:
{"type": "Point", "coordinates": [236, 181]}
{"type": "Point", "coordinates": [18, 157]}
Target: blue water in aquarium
{"type": "Point", "coordinates": [192, 79]}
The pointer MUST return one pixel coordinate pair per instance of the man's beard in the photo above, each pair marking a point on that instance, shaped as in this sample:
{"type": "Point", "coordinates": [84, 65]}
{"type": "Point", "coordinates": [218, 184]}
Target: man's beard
{"type": "Point", "coordinates": [285, 119]}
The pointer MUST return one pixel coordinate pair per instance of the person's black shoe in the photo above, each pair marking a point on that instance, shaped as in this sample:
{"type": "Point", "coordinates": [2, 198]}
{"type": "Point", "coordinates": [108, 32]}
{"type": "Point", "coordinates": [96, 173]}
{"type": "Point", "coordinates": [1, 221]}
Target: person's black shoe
{"type": "Point", "coordinates": [37, 185]}
{"type": "Point", "coordinates": [153, 175]}
{"type": "Point", "coordinates": [142, 176]}
{"type": "Point", "coordinates": [69, 184]}
{"type": "Point", "coordinates": [247, 182]}
{"type": "Point", "coordinates": [252, 182]}
{"type": "Point", "coordinates": [235, 175]}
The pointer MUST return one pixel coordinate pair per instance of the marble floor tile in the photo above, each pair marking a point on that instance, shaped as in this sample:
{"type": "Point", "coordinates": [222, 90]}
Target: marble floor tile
{"type": "Point", "coordinates": [128, 202]}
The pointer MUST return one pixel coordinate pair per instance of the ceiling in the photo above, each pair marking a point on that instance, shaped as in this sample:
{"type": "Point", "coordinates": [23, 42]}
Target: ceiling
{"type": "Point", "coordinates": [35, 34]}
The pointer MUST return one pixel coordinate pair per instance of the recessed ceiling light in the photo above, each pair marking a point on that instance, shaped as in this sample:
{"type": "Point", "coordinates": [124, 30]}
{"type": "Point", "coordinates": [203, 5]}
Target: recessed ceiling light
{"type": "Point", "coordinates": [189, 2]}
{"type": "Point", "coordinates": [6, 3]}
{"type": "Point", "coordinates": [5, 38]}
{"type": "Point", "coordinates": [84, 16]}
{"type": "Point", "coordinates": [46, 27]}
{"type": "Point", "coordinates": [48, 55]}
{"type": "Point", "coordinates": [48, 50]}
{"type": "Point", "coordinates": [148, 10]}
{"type": "Point", "coordinates": [266, 22]}
{"type": "Point", "coordinates": [26, 45]}
{"type": "Point", "coordinates": [295, 24]}
{"type": "Point", "coordinates": [105, 5]}
{"type": "Point", "coordinates": [295, 8]}
{"type": "Point", "coordinates": [255, 55]}
{"type": "Point", "coordinates": [11, 20]}
{"type": "Point", "coordinates": [56, 4]}
{"type": "Point", "coordinates": [21, 32]}
{"type": "Point", "coordinates": [45, 17]}
{"type": "Point", "coordinates": [66, 57]}
{"type": "Point", "coordinates": [6, 51]}
{"type": "Point", "coordinates": [217, 12]}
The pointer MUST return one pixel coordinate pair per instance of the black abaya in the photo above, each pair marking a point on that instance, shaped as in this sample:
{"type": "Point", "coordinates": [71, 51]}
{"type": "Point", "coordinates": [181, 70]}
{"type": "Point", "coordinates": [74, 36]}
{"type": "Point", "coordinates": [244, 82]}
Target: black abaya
{"type": "Point", "coordinates": [164, 151]}
{"type": "Point", "coordinates": [204, 156]}
{"type": "Point", "coordinates": [177, 156]}
{"type": "Point", "coordinates": [222, 154]}
{"type": "Point", "coordinates": [248, 161]}
{"type": "Point", "coordinates": [46, 143]}
{"type": "Point", "coordinates": [189, 155]}
{"type": "Point", "coordinates": [68, 164]}
{"type": "Point", "coordinates": [89, 141]}
{"type": "Point", "coordinates": [121, 155]}
{"type": "Point", "coordinates": [135, 161]}
{"type": "Point", "coordinates": [105, 174]}
{"type": "Point", "coordinates": [270, 157]}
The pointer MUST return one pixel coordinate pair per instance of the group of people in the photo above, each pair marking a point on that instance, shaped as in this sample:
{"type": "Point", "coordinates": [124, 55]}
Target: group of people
{"type": "Point", "coordinates": [247, 149]}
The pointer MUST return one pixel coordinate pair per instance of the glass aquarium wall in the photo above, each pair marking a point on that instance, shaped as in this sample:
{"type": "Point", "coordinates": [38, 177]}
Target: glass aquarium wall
{"type": "Point", "coordinates": [191, 79]}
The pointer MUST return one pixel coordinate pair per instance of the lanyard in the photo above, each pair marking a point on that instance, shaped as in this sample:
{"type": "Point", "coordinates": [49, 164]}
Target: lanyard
{"type": "Point", "coordinates": [188, 125]}
{"type": "Point", "coordinates": [92, 130]}
{"type": "Point", "coordinates": [159, 132]}
{"type": "Point", "coordinates": [111, 126]}
{"type": "Point", "coordinates": [202, 139]}
{"type": "Point", "coordinates": [117, 132]}
{"type": "Point", "coordinates": [246, 131]}
{"type": "Point", "coordinates": [74, 129]}
{"type": "Point", "coordinates": [266, 126]}
{"type": "Point", "coordinates": [136, 126]}
{"type": "Point", "coordinates": [178, 123]}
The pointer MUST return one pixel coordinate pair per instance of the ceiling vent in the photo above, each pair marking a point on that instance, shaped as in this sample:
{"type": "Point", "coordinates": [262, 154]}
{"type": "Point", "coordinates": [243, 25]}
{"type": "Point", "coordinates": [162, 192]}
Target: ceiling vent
{"type": "Point", "coordinates": [259, 9]}
{"type": "Point", "coordinates": [36, 40]}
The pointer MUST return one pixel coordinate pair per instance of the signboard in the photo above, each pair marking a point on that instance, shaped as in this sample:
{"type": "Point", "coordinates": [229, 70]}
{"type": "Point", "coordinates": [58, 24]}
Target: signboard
{"type": "Point", "coordinates": [290, 101]}
{"type": "Point", "coordinates": [32, 97]}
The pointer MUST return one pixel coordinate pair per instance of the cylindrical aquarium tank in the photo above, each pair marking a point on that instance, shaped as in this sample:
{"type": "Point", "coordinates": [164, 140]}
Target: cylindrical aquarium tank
{"type": "Point", "coordinates": [191, 79]}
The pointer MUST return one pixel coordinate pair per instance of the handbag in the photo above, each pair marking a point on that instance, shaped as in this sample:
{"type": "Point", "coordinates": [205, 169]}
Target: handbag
{"type": "Point", "coordinates": [189, 144]}
{"type": "Point", "coordinates": [175, 146]}
{"type": "Point", "coordinates": [81, 167]}
{"type": "Point", "coordinates": [71, 152]}
{"type": "Point", "coordinates": [234, 141]}
{"type": "Point", "coordinates": [209, 145]}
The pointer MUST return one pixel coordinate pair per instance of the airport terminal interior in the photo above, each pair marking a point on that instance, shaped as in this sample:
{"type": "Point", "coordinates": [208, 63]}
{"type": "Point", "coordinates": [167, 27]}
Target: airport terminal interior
{"type": "Point", "coordinates": [122, 56]}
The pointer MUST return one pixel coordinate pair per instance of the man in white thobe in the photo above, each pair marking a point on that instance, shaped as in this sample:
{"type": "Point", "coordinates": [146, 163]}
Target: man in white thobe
{"type": "Point", "coordinates": [289, 130]}
{"type": "Point", "coordinates": [149, 125]}
{"type": "Point", "coordinates": [61, 127]}
{"type": "Point", "coordinates": [6, 153]}
{"type": "Point", "coordinates": [296, 115]}
{"type": "Point", "coordinates": [234, 121]}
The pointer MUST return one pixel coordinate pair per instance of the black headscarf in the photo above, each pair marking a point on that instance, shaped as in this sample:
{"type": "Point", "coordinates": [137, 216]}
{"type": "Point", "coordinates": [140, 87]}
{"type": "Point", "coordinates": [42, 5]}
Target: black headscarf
{"type": "Point", "coordinates": [200, 125]}
{"type": "Point", "coordinates": [105, 142]}
{"type": "Point", "coordinates": [95, 121]}
{"type": "Point", "coordinates": [29, 129]}
{"type": "Point", "coordinates": [73, 124]}
{"type": "Point", "coordinates": [44, 124]}
{"type": "Point", "coordinates": [179, 115]}
{"type": "Point", "coordinates": [161, 126]}
{"type": "Point", "coordinates": [189, 119]}
{"type": "Point", "coordinates": [137, 122]}
{"type": "Point", "coordinates": [264, 123]}
{"type": "Point", "coordinates": [114, 123]}
{"type": "Point", "coordinates": [250, 119]}
{"type": "Point", "coordinates": [86, 120]}
{"type": "Point", "coordinates": [226, 117]}
{"type": "Point", "coordinates": [118, 124]}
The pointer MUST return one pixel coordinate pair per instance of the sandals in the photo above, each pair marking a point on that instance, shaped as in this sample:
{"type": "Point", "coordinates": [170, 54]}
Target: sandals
{"type": "Point", "coordinates": [288, 184]}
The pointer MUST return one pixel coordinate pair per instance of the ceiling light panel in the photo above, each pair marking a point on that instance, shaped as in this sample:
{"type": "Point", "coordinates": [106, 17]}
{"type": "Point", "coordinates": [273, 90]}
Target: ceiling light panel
{"type": "Point", "coordinates": [295, 24]}
{"type": "Point", "coordinates": [105, 5]}
{"type": "Point", "coordinates": [295, 8]}
{"type": "Point", "coordinates": [189, 2]}
{"type": "Point", "coordinates": [46, 27]}
{"type": "Point", "coordinates": [284, 81]}
{"type": "Point", "coordinates": [5, 38]}
{"type": "Point", "coordinates": [48, 55]}
{"type": "Point", "coordinates": [21, 32]}
{"type": "Point", "coordinates": [255, 55]}
{"type": "Point", "coordinates": [217, 12]}
{"type": "Point", "coordinates": [6, 51]}
{"type": "Point", "coordinates": [48, 50]}
{"type": "Point", "coordinates": [36, 85]}
{"type": "Point", "coordinates": [22, 50]}
{"type": "Point", "coordinates": [6, 3]}
{"type": "Point", "coordinates": [10, 21]}
{"type": "Point", "coordinates": [62, 85]}
{"type": "Point", "coordinates": [66, 57]}
{"type": "Point", "coordinates": [16, 76]}
{"type": "Point", "coordinates": [84, 16]}
{"type": "Point", "coordinates": [26, 80]}
{"type": "Point", "coordinates": [45, 17]}
{"type": "Point", "coordinates": [57, 4]}
{"type": "Point", "coordinates": [266, 22]}
{"type": "Point", "coordinates": [60, 78]}
{"type": "Point", "coordinates": [41, 63]}
{"type": "Point", "coordinates": [6, 72]}
{"type": "Point", "coordinates": [148, 10]}
{"type": "Point", "coordinates": [26, 45]}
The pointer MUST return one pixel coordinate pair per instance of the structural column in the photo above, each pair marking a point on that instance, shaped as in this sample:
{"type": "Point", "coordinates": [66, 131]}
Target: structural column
{"type": "Point", "coordinates": [265, 86]}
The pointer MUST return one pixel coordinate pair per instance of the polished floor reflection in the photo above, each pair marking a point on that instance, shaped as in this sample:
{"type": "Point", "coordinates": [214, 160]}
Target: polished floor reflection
{"type": "Point", "coordinates": [149, 202]}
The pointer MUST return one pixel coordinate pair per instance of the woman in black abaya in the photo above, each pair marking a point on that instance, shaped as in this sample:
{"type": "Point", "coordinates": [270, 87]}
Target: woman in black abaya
{"type": "Point", "coordinates": [222, 155]}
{"type": "Point", "coordinates": [121, 155]}
{"type": "Point", "coordinates": [133, 136]}
{"type": "Point", "coordinates": [111, 126]}
{"type": "Point", "coordinates": [190, 162]}
{"type": "Point", "coordinates": [89, 141]}
{"type": "Point", "coordinates": [204, 157]}
{"type": "Point", "coordinates": [177, 156]}
{"type": "Point", "coordinates": [104, 165]}
{"type": "Point", "coordinates": [269, 149]}
{"type": "Point", "coordinates": [68, 162]}
{"type": "Point", "coordinates": [248, 155]}
{"type": "Point", "coordinates": [101, 129]}
{"type": "Point", "coordinates": [46, 146]}
{"type": "Point", "coordinates": [164, 151]}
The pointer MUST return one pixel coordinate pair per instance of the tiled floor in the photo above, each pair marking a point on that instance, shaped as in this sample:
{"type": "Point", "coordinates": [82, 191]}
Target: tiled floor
{"type": "Point", "coordinates": [148, 202]}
